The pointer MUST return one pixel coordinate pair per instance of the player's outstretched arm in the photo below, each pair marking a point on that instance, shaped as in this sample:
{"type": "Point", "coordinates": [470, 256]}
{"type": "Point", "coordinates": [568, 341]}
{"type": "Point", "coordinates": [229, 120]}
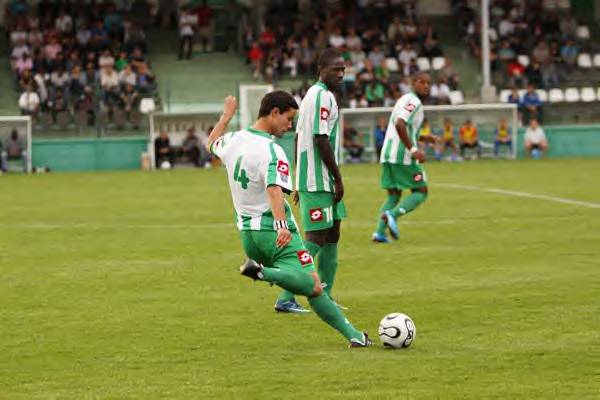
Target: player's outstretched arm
{"type": "Point", "coordinates": [408, 144]}
{"type": "Point", "coordinates": [322, 142]}
{"type": "Point", "coordinates": [229, 109]}
{"type": "Point", "coordinates": [275, 195]}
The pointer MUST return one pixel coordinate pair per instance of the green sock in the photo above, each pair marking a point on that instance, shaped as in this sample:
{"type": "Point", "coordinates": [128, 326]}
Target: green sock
{"type": "Point", "coordinates": [409, 204]}
{"type": "Point", "coordinates": [297, 282]}
{"type": "Point", "coordinates": [327, 265]}
{"type": "Point", "coordinates": [389, 204]}
{"type": "Point", "coordinates": [333, 316]}
{"type": "Point", "coordinates": [313, 249]}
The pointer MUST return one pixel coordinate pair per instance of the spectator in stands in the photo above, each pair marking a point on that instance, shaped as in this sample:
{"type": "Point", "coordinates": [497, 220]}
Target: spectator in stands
{"type": "Point", "coordinates": [568, 54]}
{"type": "Point", "coordinates": [533, 74]}
{"type": "Point", "coordinates": [130, 100]}
{"type": "Point", "coordinates": [204, 18]}
{"type": "Point", "coordinates": [191, 147]}
{"type": "Point", "coordinates": [516, 74]}
{"type": "Point", "coordinates": [379, 135]}
{"type": "Point", "coordinates": [85, 106]}
{"type": "Point", "coordinates": [535, 140]}
{"type": "Point", "coordinates": [188, 22]}
{"type": "Point", "coordinates": [25, 63]}
{"type": "Point", "coordinates": [145, 81]}
{"type": "Point", "coordinates": [502, 137]}
{"type": "Point", "coordinates": [440, 92]}
{"type": "Point", "coordinates": [352, 144]}
{"type": "Point", "coordinates": [163, 150]}
{"type": "Point", "coordinates": [127, 76]}
{"type": "Point", "coordinates": [469, 138]}
{"type": "Point", "coordinates": [531, 104]}
{"type": "Point", "coordinates": [256, 55]}
{"type": "Point", "coordinates": [375, 93]}
{"type": "Point", "coordinates": [14, 149]}
{"type": "Point", "coordinates": [29, 102]}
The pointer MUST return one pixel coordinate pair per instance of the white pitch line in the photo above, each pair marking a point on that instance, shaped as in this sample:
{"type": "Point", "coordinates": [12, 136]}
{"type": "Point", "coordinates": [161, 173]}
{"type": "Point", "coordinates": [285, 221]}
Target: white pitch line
{"type": "Point", "coordinates": [515, 193]}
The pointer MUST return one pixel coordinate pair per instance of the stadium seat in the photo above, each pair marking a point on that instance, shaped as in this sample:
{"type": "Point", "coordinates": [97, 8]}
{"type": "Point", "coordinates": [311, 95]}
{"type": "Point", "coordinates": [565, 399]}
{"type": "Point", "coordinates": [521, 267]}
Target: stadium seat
{"type": "Point", "coordinates": [503, 97]}
{"type": "Point", "coordinates": [392, 64]}
{"type": "Point", "coordinates": [523, 59]}
{"type": "Point", "coordinates": [572, 95]}
{"type": "Point", "coordinates": [584, 60]}
{"type": "Point", "coordinates": [423, 63]}
{"type": "Point", "coordinates": [556, 96]}
{"type": "Point", "coordinates": [438, 63]}
{"type": "Point", "coordinates": [456, 97]}
{"type": "Point", "coordinates": [597, 61]}
{"type": "Point", "coordinates": [543, 94]}
{"type": "Point", "coordinates": [588, 94]}
{"type": "Point", "coordinates": [583, 32]}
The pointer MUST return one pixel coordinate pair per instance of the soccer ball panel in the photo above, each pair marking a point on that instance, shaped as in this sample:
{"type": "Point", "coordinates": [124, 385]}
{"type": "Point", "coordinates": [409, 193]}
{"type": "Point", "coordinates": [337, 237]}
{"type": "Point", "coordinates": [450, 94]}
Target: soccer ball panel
{"type": "Point", "coordinates": [397, 330]}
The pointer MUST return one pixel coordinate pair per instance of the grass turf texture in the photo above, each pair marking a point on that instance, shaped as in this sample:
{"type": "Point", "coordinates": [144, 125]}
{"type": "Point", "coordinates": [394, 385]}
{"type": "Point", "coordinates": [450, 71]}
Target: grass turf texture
{"type": "Point", "coordinates": [125, 286]}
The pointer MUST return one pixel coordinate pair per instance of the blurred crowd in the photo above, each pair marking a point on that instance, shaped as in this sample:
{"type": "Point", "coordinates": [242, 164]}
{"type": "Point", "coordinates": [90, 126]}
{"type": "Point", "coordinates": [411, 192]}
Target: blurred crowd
{"type": "Point", "coordinates": [83, 60]}
{"type": "Point", "coordinates": [381, 44]}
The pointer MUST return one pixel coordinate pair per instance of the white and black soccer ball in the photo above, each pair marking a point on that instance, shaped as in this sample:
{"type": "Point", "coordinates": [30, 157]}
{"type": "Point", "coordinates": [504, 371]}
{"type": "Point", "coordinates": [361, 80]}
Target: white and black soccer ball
{"type": "Point", "coordinates": [397, 331]}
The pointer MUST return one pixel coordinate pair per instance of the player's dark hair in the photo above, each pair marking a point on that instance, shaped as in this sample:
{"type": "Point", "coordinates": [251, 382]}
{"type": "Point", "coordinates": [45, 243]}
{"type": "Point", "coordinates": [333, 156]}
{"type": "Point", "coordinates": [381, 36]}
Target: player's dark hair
{"type": "Point", "coordinates": [328, 56]}
{"type": "Point", "coordinates": [277, 99]}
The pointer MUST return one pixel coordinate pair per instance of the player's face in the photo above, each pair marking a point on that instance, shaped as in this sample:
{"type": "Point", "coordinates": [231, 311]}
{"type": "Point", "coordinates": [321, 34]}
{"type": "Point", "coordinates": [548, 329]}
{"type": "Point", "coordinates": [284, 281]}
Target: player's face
{"type": "Point", "coordinates": [333, 74]}
{"type": "Point", "coordinates": [282, 122]}
{"type": "Point", "coordinates": [422, 85]}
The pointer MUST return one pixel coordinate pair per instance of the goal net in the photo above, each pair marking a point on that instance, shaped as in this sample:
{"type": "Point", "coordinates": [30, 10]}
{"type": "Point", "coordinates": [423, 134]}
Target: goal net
{"type": "Point", "coordinates": [15, 143]}
{"type": "Point", "coordinates": [488, 119]}
{"type": "Point", "coordinates": [249, 102]}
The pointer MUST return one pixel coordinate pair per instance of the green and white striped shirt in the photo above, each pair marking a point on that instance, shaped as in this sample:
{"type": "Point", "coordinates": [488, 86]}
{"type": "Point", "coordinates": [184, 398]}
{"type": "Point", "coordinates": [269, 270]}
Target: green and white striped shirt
{"type": "Point", "coordinates": [318, 115]}
{"type": "Point", "coordinates": [410, 110]}
{"type": "Point", "coordinates": [254, 162]}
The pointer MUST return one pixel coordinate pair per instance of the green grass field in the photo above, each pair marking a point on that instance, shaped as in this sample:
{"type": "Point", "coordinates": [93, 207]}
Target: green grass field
{"type": "Point", "coordinates": [125, 285]}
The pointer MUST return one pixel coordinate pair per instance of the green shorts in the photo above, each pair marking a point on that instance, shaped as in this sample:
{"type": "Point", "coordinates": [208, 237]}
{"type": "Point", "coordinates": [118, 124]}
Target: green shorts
{"type": "Point", "coordinates": [260, 246]}
{"type": "Point", "coordinates": [318, 210]}
{"type": "Point", "coordinates": [398, 176]}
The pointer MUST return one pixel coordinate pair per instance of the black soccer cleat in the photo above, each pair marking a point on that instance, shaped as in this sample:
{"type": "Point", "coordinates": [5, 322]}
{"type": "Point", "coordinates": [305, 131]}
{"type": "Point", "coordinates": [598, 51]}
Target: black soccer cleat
{"type": "Point", "coordinates": [252, 269]}
{"type": "Point", "coordinates": [366, 342]}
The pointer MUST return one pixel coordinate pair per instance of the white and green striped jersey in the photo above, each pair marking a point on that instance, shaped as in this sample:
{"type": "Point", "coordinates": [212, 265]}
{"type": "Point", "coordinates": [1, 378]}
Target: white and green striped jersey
{"type": "Point", "coordinates": [410, 109]}
{"type": "Point", "coordinates": [318, 115]}
{"type": "Point", "coordinates": [254, 162]}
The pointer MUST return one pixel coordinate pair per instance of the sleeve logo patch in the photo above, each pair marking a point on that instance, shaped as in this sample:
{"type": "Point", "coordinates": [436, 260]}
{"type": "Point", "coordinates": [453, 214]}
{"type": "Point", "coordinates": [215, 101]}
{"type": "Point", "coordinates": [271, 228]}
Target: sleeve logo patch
{"type": "Point", "coordinates": [409, 107]}
{"type": "Point", "coordinates": [418, 177]}
{"type": "Point", "coordinates": [324, 114]}
{"type": "Point", "coordinates": [283, 168]}
{"type": "Point", "coordinates": [304, 257]}
{"type": "Point", "coordinates": [316, 215]}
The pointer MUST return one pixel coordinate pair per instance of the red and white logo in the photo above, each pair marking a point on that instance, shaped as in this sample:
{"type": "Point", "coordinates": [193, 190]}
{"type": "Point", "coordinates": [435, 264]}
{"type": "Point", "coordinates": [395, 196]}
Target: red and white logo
{"type": "Point", "coordinates": [304, 257]}
{"type": "Point", "coordinates": [418, 177]}
{"type": "Point", "coordinates": [316, 214]}
{"type": "Point", "coordinates": [283, 167]}
{"type": "Point", "coordinates": [324, 114]}
{"type": "Point", "coordinates": [409, 107]}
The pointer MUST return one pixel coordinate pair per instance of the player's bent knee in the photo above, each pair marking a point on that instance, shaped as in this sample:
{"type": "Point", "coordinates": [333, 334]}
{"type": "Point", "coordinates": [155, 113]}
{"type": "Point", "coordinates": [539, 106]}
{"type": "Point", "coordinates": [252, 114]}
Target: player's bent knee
{"type": "Point", "coordinates": [317, 287]}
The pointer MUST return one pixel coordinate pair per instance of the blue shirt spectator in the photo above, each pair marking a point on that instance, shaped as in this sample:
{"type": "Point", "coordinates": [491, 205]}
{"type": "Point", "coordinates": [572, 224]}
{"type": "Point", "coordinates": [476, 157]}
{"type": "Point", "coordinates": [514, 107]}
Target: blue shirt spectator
{"type": "Point", "coordinates": [513, 97]}
{"type": "Point", "coordinates": [531, 98]}
{"type": "Point", "coordinates": [379, 134]}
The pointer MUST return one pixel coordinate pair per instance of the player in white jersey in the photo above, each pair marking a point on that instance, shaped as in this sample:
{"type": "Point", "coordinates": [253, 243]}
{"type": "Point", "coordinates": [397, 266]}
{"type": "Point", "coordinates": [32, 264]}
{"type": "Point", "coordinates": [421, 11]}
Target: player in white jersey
{"type": "Point", "coordinates": [259, 175]}
{"type": "Point", "coordinates": [401, 158]}
{"type": "Point", "coordinates": [318, 179]}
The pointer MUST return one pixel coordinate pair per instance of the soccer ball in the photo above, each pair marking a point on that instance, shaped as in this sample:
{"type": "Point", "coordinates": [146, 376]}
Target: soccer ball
{"type": "Point", "coordinates": [165, 165]}
{"type": "Point", "coordinates": [397, 330]}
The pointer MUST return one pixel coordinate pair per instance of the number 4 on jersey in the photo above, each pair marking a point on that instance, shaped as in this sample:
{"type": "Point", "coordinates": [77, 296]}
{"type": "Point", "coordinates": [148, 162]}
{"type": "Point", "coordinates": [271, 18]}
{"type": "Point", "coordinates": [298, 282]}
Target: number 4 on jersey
{"type": "Point", "coordinates": [240, 176]}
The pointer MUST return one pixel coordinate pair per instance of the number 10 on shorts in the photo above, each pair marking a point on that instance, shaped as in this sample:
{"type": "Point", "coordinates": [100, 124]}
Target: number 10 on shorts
{"type": "Point", "coordinates": [317, 214]}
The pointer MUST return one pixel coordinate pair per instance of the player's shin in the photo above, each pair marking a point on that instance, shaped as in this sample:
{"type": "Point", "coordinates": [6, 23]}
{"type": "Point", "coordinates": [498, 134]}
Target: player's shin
{"type": "Point", "coordinates": [391, 202]}
{"type": "Point", "coordinates": [327, 265]}
{"type": "Point", "coordinates": [409, 203]}
{"type": "Point", "coordinates": [333, 316]}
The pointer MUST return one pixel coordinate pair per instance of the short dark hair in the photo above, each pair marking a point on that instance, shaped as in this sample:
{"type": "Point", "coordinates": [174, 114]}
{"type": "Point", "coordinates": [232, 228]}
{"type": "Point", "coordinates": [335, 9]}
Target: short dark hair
{"type": "Point", "coordinates": [277, 99]}
{"type": "Point", "coordinates": [327, 57]}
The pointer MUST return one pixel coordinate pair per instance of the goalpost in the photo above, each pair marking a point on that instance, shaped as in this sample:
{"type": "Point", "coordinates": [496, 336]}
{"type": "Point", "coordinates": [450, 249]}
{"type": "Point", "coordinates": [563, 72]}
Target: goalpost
{"type": "Point", "coordinates": [484, 116]}
{"type": "Point", "coordinates": [22, 124]}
